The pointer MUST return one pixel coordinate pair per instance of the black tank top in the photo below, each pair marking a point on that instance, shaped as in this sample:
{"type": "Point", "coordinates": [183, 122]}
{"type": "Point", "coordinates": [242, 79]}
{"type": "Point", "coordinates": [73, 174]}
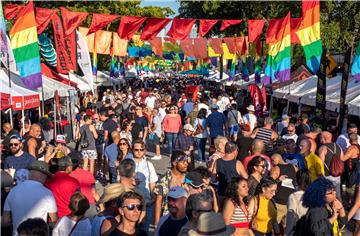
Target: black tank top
{"type": "Point", "coordinates": [226, 170]}
{"type": "Point", "coordinates": [284, 187]}
{"type": "Point", "coordinates": [38, 145]}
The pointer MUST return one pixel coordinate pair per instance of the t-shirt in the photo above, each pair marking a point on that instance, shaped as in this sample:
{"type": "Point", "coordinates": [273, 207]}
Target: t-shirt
{"type": "Point", "coordinates": [86, 181]}
{"type": "Point", "coordinates": [22, 199]}
{"type": "Point", "coordinates": [169, 226]}
{"type": "Point", "coordinates": [315, 166]}
{"type": "Point", "coordinates": [157, 122]}
{"type": "Point", "coordinates": [110, 125]}
{"type": "Point", "coordinates": [62, 186]}
{"type": "Point", "coordinates": [150, 102]}
{"type": "Point", "coordinates": [216, 122]}
{"type": "Point", "coordinates": [142, 121]}
{"type": "Point", "coordinates": [118, 232]}
{"type": "Point", "coordinates": [20, 162]}
{"type": "Point", "coordinates": [65, 224]}
{"type": "Point", "coordinates": [111, 153]}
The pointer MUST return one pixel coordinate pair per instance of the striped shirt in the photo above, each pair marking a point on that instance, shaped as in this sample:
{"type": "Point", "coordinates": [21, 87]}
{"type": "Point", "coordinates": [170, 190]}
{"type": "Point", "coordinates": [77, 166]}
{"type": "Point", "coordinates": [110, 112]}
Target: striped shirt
{"type": "Point", "coordinates": [240, 216]}
{"type": "Point", "coordinates": [265, 135]}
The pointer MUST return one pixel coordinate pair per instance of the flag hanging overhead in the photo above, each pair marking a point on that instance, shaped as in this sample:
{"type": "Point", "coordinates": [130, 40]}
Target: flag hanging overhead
{"type": "Point", "coordinates": [278, 36]}
{"type": "Point", "coordinates": [99, 21]}
{"type": "Point", "coordinates": [227, 23]}
{"type": "Point", "coordinates": [129, 25]}
{"type": "Point", "coordinates": [309, 34]}
{"type": "Point", "coordinates": [180, 28]}
{"type": "Point", "coordinates": [355, 68]}
{"type": "Point", "coordinates": [205, 26]}
{"type": "Point", "coordinates": [152, 28]}
{"type": "Point", "coordinates": [24, 43]}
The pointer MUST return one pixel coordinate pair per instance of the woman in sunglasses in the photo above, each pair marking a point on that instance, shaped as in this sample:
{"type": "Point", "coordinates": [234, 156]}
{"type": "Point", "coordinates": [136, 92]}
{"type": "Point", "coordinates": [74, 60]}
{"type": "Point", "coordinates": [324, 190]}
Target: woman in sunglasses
{"type": "Point", "coordinates": [130, 206]}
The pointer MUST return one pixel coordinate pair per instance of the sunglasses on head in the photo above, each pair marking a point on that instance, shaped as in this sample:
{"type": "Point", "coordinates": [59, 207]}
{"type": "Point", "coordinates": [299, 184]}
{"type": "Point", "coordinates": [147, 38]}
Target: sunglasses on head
{"type": "Point", "coordinates": [132, 207]}
{"type": "Point", "coordinates": [182, 158]}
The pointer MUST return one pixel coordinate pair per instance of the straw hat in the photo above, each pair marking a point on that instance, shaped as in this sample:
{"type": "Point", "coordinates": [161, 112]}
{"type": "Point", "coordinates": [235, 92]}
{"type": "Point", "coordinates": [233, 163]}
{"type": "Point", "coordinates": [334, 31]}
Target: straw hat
{"type": "Point", "coordinates": [111, 192]}
{"type": "Point", "coordinates": [212, 223]}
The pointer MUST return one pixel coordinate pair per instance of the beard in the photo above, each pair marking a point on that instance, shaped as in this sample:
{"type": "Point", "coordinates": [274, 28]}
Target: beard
{"type": "Point", "coordinates": [14, 150]}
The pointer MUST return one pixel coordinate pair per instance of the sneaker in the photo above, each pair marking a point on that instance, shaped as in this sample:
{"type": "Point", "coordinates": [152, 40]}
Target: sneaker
{"type": "Point", "coordinates": [156, 157]}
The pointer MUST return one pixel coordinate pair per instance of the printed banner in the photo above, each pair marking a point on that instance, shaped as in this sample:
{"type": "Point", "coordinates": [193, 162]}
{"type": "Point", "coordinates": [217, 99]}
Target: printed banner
{"type": "Point", "coordinates": [61, 52]}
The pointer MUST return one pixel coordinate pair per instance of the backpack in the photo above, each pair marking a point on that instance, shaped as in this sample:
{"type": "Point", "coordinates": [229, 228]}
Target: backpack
{"type": "Point", "coordinates": [302, 226]}
{"type": "Point", "coordinates": [336, 167]}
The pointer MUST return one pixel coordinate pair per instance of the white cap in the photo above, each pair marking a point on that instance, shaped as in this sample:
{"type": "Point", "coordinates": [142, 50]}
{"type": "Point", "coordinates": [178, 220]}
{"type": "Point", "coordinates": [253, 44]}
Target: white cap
{"type": "Point", "coordinates": [177, 192]}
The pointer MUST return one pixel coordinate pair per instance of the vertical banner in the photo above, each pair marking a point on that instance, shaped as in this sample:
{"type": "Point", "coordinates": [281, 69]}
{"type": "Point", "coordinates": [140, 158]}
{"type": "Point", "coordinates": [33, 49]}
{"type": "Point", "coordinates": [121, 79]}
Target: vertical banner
{"type": "Point", "coordinates": [320, 107]}
{"type": "Point", "coordinates": [62, 57]}
{"type": "Point", "coordinates": [84, 60]}
{"type": "Point", "coordinates": [256, 98]}
{"type": "Point", "coordinates": [70, 47]}
{"type": "Point", "coordinates": [344, 85]}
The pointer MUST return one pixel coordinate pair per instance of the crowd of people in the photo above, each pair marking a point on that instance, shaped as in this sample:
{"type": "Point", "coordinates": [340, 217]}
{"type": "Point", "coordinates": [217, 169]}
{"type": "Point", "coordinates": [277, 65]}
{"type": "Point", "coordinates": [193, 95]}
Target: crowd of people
{"type": "Point", "coordinates": [232, 171]}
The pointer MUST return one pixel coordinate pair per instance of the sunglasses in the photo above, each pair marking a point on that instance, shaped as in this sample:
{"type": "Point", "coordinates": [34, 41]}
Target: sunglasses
{"type": "Point", "coordinates": [123, 144]}
{"type": "Point", "coordinates": [14, 144]}
{"type": "Point", "coordinates": [204, 211]}
{"type": "Point", "coordinates": [139, 150]}
{"type": "Point", "coordinates": [132, 207]}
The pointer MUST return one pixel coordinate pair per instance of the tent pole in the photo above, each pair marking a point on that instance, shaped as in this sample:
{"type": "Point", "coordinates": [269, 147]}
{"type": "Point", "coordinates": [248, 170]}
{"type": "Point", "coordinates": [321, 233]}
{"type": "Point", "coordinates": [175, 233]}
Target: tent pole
{"type": "Point", "coordinates": [43, 101]}
{"type": "Point", "coordinates": [55, 125]}
{"type": "Point", "coordinates": [9, 74]}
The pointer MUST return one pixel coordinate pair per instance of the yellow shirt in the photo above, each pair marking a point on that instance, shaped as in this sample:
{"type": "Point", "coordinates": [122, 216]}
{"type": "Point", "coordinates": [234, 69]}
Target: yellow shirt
{"type": "Point", "coordinates": [315, 166]}
{"type": "Point", "coordinates": [265, 216]}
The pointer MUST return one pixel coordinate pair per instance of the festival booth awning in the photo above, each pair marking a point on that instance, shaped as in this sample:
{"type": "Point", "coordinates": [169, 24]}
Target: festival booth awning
{"type": "Point", "coordinates": [244, 84]}
{"type": "Point", "coordinates": [354, 106]}
{"type": "Point", "coordinates": [294, 91]}
{"type": "Point", "coordinates": [21, 98]}
{"type": "Point", "coordinates": [104, 79]}
{"type": "Point", "coordinates": [215, 76]}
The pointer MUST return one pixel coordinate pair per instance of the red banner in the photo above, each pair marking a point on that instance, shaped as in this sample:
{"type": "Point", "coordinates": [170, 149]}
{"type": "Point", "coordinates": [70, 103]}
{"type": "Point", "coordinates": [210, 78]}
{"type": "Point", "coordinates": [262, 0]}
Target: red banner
{"type": "Point", "coordinates": [263, 98]}
{"type": "Point", "coordinates": [71, 20]}
{"type": "Point", "coordinates": [153, 27]}
{"type": "Point", "coordinates": [242, 47]}
{"type": "Point", "coordinates": [99, 21]}
{"type": "Point", "coordinates": [11, 10]}
{"type": "Point", "coordinates": [216, 45]}
{"type": "Point", "coordinates": [205, 26]}
{"type": "Point", "coordinates": [43, 17]}
{"type": "Point", "coordinates": [255, 28]}
{"type": "Point", "coordinates": [180, 28]}
{"type": "Point", "coordinates": [256, 98]}
{"type": "Point", "coordinates": [187, 47]}
{"type": "Point", "coordinates": [230, 43]}
{"type": "Point", "coordinates": [227, 23]}
{"type": "Point", "coordinates": [61, 52]}
{"type": "Point", "coordinates": [156, 45]}
{"type": "Point", "coordinates": [129, 25]}
{"type": "Point", "coordinates": [70, 46]}
{"type": "Point", "coordinates": [200, 50]}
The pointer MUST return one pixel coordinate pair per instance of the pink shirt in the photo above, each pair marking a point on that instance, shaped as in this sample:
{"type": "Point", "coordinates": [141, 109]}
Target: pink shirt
{"type": "Point", "coordinates": [87, 182]}
{"type": "Point", "coordinates": [172, 124]}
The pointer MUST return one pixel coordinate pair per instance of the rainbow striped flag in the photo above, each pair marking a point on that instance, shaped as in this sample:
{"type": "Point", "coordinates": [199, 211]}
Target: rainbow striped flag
{"type": "Point", "coordinates": [232, 68]}
{"type": "Point", "coordinates": [355, 68]}
{"type": "Point", "coordinates": [257, 69]}
{"type": "Point", "coordinates": [309, 34]}
{"type": "Point", "coordinates": [94, 63]}
{"type": "Point", "coordinates": [279, 59]}
{"type": "Point", "coordinates": [114, 67]}
{"type": "Point", "coordinates": [24, 43]}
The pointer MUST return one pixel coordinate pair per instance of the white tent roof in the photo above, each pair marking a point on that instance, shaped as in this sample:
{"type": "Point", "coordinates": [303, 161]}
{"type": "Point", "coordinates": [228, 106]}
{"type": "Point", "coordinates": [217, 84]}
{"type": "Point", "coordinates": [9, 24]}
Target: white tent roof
{"type": "Point", "coordinates": [105, 79]}
{"type": "Point", "coordinates": [294, 91]}
{"type": "Point", "coordinates": [51, 85]}
{"type": "Point", "coordinates": [215, 76]}
{"type": "Point", "coordinates": [15, 89]}
{"type": "Point", "coordinates": [354, 106]}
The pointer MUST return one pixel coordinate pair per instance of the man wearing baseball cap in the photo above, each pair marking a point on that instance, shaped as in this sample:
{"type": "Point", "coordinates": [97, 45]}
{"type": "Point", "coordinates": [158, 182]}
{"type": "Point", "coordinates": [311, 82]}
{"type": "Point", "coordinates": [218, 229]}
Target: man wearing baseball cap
{"type": "Point", "coordinates": [171, 223]}
{"type": "Point", "coordinates": [19, 204]}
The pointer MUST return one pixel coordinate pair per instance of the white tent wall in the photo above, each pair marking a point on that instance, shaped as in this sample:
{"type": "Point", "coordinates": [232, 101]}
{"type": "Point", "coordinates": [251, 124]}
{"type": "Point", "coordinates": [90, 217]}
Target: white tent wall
{"type": "Point", "coordinates": [354, 106]}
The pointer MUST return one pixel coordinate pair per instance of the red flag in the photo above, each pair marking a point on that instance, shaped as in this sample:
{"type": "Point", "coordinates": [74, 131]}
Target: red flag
{"type": "Point", "coordinates": [180, 28]}
{"type": "Point", "coordinates": [43, 17]}
{"type": "Point", "coordinates": [255, 28]}
{"type": "Point", "coordinates": [61, 55]}
{"type": "Point", "coordinates": [263, 98]}
{"type": "Point", "coordinates": [216, 45]}
{"type": "Point", "coordinates": [71, 20]}
{"type": "Point", "coordinates": [11, 10]}
{"type": "Point", "coordinates": [99, 21]}
{"type": "Point", "coordinates": [156, 45]}
{"type": "Point", "coordinates": [153, 27]}
{"type": "Point", "coordinates": [294, 23]}
{"type": "Point", "coordinates": [171, 40]}
{"type": "Point", "coordinates": [205, 26]}
{"type": "Point", "coordinates": [187, 47]}
{"type": "Point", "coordinates": [226, 23]}
{"type": "Point", "coordinates": [255, 95]}
{"type": "Point", "coordinates": [242, 47]}
{"type": "Point", "coordinates": [230, 43]}
{"type": "Point", "coordinates": [200, 50]}
{"type": "Point", "coordinates": [70, 47]}
{"type": "Point", "coordinates": [129, 25]}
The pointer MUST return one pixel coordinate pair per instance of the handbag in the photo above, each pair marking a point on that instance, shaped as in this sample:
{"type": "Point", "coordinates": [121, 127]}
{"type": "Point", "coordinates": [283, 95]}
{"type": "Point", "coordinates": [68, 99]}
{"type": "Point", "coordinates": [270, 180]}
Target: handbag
{"type": "Point", "coordinates": [199, 129]}
{"type": "Point", "coordinates": [84, 142]}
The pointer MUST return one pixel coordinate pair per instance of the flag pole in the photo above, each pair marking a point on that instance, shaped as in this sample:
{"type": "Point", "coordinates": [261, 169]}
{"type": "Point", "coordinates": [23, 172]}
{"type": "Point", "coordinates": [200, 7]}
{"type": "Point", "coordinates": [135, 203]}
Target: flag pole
{"type": "Point", "coordinates": [9, 74]}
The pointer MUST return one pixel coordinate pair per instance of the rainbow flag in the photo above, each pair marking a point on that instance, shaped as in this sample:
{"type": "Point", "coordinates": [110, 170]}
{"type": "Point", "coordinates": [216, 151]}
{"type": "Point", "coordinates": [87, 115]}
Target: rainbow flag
{"type": "Point", "coordinates": [309, 34]}
{"type": "Point", "coordinates": [24, 43]}
{"type": "Point", "coordinates": [94, 63]}
{"type": "Point", "coordinates": [279, 59]}
{"type": "Point", "coordinates": [114, 67]}
{"type": "Point", "coordinates": [244, 69]}
{"type": "Point", "coordinates": [355, 68]}
{"type": "Point", "coordinates": [232, 69]}
{"type": "Point", "coordinates": [258, 69]}
{"type": "Point", "coordinates": [122, 65]}
{"type": "Point", "coordinates": [3, 41]}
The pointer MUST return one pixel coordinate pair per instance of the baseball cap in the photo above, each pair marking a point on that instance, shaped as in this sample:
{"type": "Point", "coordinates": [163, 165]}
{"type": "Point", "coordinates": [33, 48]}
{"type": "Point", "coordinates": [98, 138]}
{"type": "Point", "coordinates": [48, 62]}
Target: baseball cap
{"type": "Point", "coordinates": [285, 117]}
{"type": "Point", "coordinates": [65, 161]}
{"type": "Point", "coordinates": [189, 127]}
{"type": "Point", "coordinates": [194, 178]}
{"type": "Point", "coordinates": [40, 166]}
{"type": "Point", "coordinates": [214, 106]}
{"type": "Point", "coordinates": [177, 192]}
{"type": "Point", "coordinates": [17, 137]}
{"type": "Point", "coordinates": [60, 139]}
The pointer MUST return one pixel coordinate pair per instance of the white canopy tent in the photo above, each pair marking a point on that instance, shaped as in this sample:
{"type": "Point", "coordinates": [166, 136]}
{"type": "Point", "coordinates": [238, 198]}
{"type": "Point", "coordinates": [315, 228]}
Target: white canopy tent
{"type": "Point", "coordinates": [354, 106]}
{"type": "Point", "coordinates": [214, 75]}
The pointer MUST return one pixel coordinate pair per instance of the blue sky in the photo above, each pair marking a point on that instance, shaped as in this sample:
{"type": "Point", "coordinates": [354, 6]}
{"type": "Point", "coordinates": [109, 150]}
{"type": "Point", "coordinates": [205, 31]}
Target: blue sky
{"type": "Point", "coordinates": [174, 5]}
